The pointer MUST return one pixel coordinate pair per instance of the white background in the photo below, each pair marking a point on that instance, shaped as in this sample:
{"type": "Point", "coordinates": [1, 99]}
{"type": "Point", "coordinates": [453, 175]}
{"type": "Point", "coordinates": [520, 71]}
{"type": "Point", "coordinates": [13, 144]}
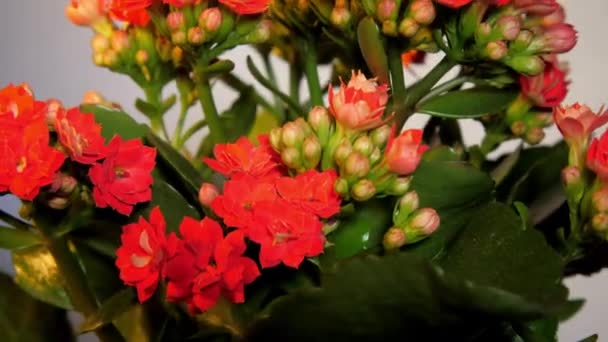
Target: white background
{"type": "Point", "coordinates": [39, 46]}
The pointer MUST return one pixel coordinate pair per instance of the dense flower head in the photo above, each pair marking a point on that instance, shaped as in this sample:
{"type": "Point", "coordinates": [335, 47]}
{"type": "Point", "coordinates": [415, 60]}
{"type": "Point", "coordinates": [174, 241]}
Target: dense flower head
{"type": "Point", "coordinates": [577, 122]}
{"type": "Point", "coordinates": [243, 7]}
{"type": "Point", "coordinates": [85, 12]}
{"type": "Point", "coordinates": [143, 253]}
{"type": "Point", "coordinates": [206, 265]}
{"type": "Point", "coordinates": [286, 233]}
{"type": "Point", "coordinates": [403, 153]}
{"type": "Point", "coordinates": [124, 177]}
{"type": "Point", "coordinates": [597, 156]}
{"type": "Point", "coordinates": [243, 157]}
{"type": "Point", "coordinates": [548, 89]}
{"type": "Point", "coordinates": [454, 3]}
{"type": "Point", "coordinates": [359, 105]}
{"type": "Point", "coordinates": [80, 135]}
{"type": "Point", "coordinates": [131, 11]}
{"type": "Point", "coordinates": [311, 191]}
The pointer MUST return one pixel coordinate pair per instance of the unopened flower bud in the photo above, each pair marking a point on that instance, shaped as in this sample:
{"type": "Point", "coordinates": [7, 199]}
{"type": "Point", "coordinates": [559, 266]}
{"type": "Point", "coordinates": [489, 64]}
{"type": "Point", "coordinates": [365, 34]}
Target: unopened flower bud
{"type": "Point", "coordinates": [177, 55]}
{"type": "Point", "coordinates": [340, 17]}
{"type": "Point", "coordinates": [58, 203]}
{"type": "Point", "coordinates": [342, 152]}
{"type": "Point", "coordinates": [179, 37]}
{"type": "Point", "coordinates": [535, 135]}
{"type": "Point", "coordinates": [164, 46]}
{"type": "Point", "coordinates": [356, 166]}
{"type": "Point", "coordinates": [386, 9]}
{"type": "Point", "coordinates": [400, 186]}
{"type": "Point", "coordinates": [63, 184]}
{"type": "Point", "coordinates": [110, 58]}
{"type": "Point", "coordinates": [141, 57]}
{"type": "Point", "coordinates": [496, 50]}
{"type": "Point", "coordinates": [85, 12]}
{"type": "Point", "coordinates": [275, 138]}
{"type": "Point", "coordinates": [26, 210]}
{"type": "Point", "coordinates": [98, 59]}
{"type": "Point", "coordinates": [518, 128]}
{"type": "Point", "coordinates": [408, 27]}
{"type": "Point", "coordinates": [571, 176]}
{"type": "Point", "coordinates": [207, 193]}
{"type": "Point", "coordinates": [291, 158]}
{"type": "Point", "coordinates": [389, 28]}
{"type": "Point", "coordinates": [375, 156]}
{"type": "Point", "coordinates": [341, 187]}
{"type": "Point", "coordinates": [599, 199]}
{"type": "Point", "coordinates": [175, 20]}
{"type": "Point", "coordinates": [405, 207]}
{"type": "Point", "coordinates": [483, 31]}
{"type": "Point", "coordinates": [394, 238]}
{"type": "Point", "coordinates": [557, 17]}
{"type": "Point", "coordinates": [211, 19]}
{"type": "Point", "coordinates": [423, 11]}
{"type": "Point", "coordinates": [52, 109]}
{"type": "Point", "coordinates": [319, 118]}
{"type": "Point", "coordinates": [528, 65]}
{"type": "Point", "coordinates": [119, 40]}
{"type": "Point", "coordinates": [509, 27]}
{"type": "Point", "coordinates": [261, 34]}
{"type": "Point", "coordinates": [93, 97]}
{"type": "Point", "coordinates": [599, 222]}
{"type": "Point", "coordinates": [559, 38]}
{"type": "Point", "coordinates": [425, 220]}
{"type": "Point", "coordinates": [196, 36]}
{"type": "Point", "coordinates": [363, 190]}
{"type": "Point", "coordinates": [364, 145]}
{"type": "Point", "coordinates": [291, 134]}
{"type": "Point", "coordinates": [380, 135]}
{"type": "Point", "coordinates": [311, 151]}
{"type": "Point", "coordinates": [99, 43]}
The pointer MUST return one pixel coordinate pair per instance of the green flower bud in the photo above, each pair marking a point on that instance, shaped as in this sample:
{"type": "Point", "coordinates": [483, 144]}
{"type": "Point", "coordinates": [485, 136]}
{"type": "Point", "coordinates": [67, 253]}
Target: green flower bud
{"type": "Point", "coordinates": [341, 187]}
{"type": "Point", "coordinates": [356, 166]}
{"type": "Point", "coordinates": [311, 151]}
{"type": "Point", "coordinates": [380, 135]}
{"type": "Point", "coordinates": [320, 121]}
{"type": "Point", "coordinates": [375, 156]}
{"type": "Point", "coordinates": [363, 190]}
{"type": "Point", "coordinates": [529, 65]}
{"type": "Point", "coordinates": [342, 152]}
{"type": "Point", "coordinates": [275, 138]}
{"type": "Point", "coordinates": [405, 207]}
{"type": "Point", "coordinates": [534, 135]}
{"type": "Point", "coordinates": [364, 145]}
{"type": "Point", "coordinates": [400, 186]}
{"type": "Point", "coordinates": [408, 27]}
{"type": "Point", "coordinates": [496, 50]}
{"type": "Point", "coordinates": [291, 134]}
{"type": "Point", "coordinates": [394, 239]}
{"type": "Point", "coordinates": [291, 158]}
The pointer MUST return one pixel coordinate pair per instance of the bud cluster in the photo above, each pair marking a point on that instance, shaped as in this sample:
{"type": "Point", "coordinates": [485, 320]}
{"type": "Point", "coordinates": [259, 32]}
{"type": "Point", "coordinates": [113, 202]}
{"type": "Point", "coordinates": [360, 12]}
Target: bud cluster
{"type": "Point", "coordinates": [298, 145]}
{"type": "Point", "coordinates": [410, 223]}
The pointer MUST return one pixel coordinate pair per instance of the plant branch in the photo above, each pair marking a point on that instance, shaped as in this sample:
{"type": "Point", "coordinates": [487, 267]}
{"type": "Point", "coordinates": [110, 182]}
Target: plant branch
{"type": "Point", "coordinates": [154, 97]}
{"type": "Point", "coordinates": [396, 70]}
{"type": "Point", "coordinates": [278, 108]}
{"type": "Point", "coordinates": [190, 132]}
{"type": "Point", "coordinates": [216, 128]}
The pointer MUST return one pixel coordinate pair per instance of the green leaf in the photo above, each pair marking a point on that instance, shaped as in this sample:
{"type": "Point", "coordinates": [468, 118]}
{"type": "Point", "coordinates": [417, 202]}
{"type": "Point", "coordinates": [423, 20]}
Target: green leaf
{"type": "Point", "coordinates": [592, 338]}
{"type": "Point", "coordinates": [495, 251]}
{"type": "Point", "coordinates": [14, 239]}
{"type": "Point", "coordinates": [22, 318]}
{"type": "Point", "coordinates": [101, 272]}
{"type": "Point", "coordinates": [110, 309]}
{"type": "Point", "coordinates": [172, 204]}
{"type": "Point", "coordinates": [36, 272]}
{"type": "Point", "coordinates": [372, 48]}
{"type": "Point", "coordinates": [361, 232]}
{"type": "Point", "coordinates": [391, 298]}
{"type": "Point", "coordinates": [115, 121]}
{"type": "Point", "coordinates": [468, 103]}
{"type": "Point", "coordinates": [239, 119]}
{"type": "Point", "coordinates": [178, 166]}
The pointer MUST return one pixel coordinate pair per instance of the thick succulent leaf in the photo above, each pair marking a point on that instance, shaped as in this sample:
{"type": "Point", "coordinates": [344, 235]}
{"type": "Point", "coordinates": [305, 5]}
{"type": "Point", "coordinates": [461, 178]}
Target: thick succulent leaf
{"type": "Point", "coordinates": [23, 318]}
{"type": "Point", "coordinates": [372, 48]}
{"type": "Point", "coordinates": [468, 103]}
{"type": "Point", "coordinates": [119, 303]}
{"type": "Point", "coordinates": [114, 121]}
{"type": "Point", "coordinates": [14, 239]}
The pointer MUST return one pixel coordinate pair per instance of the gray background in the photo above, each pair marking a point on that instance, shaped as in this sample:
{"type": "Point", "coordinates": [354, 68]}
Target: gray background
{"type": "Point", "coordinates": [39, 46]}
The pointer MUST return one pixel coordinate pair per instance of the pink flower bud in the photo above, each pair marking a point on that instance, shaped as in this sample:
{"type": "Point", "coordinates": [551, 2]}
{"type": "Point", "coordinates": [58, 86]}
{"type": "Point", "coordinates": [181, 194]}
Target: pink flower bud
{"type": "Point", "coordinates": [534, 135]}
{"type": "Point", "coordinates": [577, 122]}
{"type": "Point", "coordinates": [292, 134]}
{"type": "Point", "coordinates": [119, 40]}
{"type": "Point", "coordinates": [426, 220]}
{"type": "Point", "coordinates": [359, 105]}
{"type": "Point", "coordinates": [599, 222]}
{"type": "Point", "coordinates": [363, 190]}
{"type": "Point", "coordinates": [557, 17]}
{"type": "Point", "coordinates": [318, 118]}
{"type": "Point", "coordinates": [210, 19]}
{"type": "Point", "coordinates": [423, 11]}
{"type": "Point", "coordinates": [408, 27]}
{"type": "Point", "coordinates": [547, 89]}
{"type": "Point", "coordinates": [356, 166]}
{"type": "Point", "coordinates": [175, 20]}
{"type": "Point", "coordinates": [403, 153]}
{"type": "Point", "coordinates": [509, 26]}
{"type": "Point", "coordinates": [571, 176]}
{"type": "Point", "coordinates": [99, 43]}
{"type": "Point", "coordinates": [599, 199]}
{"type": "Point", "coordinates": [386, 10]}
{"type": "Point", "coordinates": [394, 238]}
{"type": "Point", "coordinates": [559, 38]}
{"type": "Point", "coordinates": [496, 50]}
{"type": "Point", "coordinates": [196, 36]}
{"type": "Point", "coordinates": [207, 194]}
{"type": "Point", "coordinates": [536, 7]}
{"type": "Point", "coordinates": [518, 128]}
{"type": "Point", "coordinates": [340, 17]}
{"type": "Point", "coordinates": [85, 12]}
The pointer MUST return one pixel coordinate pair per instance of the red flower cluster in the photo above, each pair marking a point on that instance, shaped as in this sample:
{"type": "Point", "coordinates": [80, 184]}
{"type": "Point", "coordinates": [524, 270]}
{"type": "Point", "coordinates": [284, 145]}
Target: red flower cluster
{"type": "Point", "coordinates": [597, 156]}
{"type": "Point", "coordinates": [131, 11]}
{"type": "Point", "coordinates": [280, 213]}
{"type": "Point", "coordinates": [199, 267]}
{"type": "Point", "coordinates": [547, 89]}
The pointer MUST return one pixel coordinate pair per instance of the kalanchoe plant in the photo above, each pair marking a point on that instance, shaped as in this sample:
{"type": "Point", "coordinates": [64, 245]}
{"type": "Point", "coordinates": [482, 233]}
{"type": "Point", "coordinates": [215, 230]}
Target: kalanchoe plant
{"type": "Point", "coordinates": [331, 222]}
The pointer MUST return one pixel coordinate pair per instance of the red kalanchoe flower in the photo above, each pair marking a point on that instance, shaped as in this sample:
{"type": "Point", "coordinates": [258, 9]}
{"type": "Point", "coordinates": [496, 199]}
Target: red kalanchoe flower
{"type": "Point", "coordinates": [404, 152]}
{"type": "Point", "coordinates": [577, 122]}
{"type": "Point", "coordinates": [15, 100]}
{"type": "Point", "coordinates": [454, 3]}
{"type": "Point", "coordinates": [286, 233]}
{"type": "Point", "coordinates": [181, 3]}
{"type": "Point", "coordinates": [547, 89]}
{"type": "Point", "coordinates": [413, 57]}
{"type": "Point", "coordinates": [311, 191]}
{"type": "Point", "coordinates": [125, 176]}
{"type": "Point", "coordinates": [85, 12]}
{"type": "Point", "coordinates": [207, 265]}
{"type": "Point", "coordinates": [80, 135]}
{"type": "Point", "coordinates": [359, 105]}
{"type": "Point", "coordinates": [597, 156]}
{"type": "Point", "coordinates": [536, 7]}
{"type": "Point", "coordinates": [243, 157]}
{"type": "Point", "coordinates": [246, 6]}
{"type": "Point", "coordinates": [131, 11]}
{"type": "Point", "coordinates": [143, 253]}
{"type": "Point", "coordinates": [27, 162]}
{"type": "Point", "coordinates": [239, 199]}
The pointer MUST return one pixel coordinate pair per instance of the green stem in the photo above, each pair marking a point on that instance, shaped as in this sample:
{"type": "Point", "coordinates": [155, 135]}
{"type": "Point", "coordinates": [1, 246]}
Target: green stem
{"type": "Point", "coordinates": [216, 128]}
{"type": "Point", "coordinates": [417, 91]}
{"type": "Point", "coordinates": [190, 132]}
{"type": "Point", "coordinates": [76, 282]}
{"type": "Point", "coordinates": [312, 73]}
{"type": "Point", "coordinates": [177, 135]}
{"type": "Point", "coordinates": [396, 69]}
{"type": "Point", "coordinates": [278, 108]}
{"type": "Point", "coordinates": [13, 221]}
{"type": "Point", "coordinates": [237, 84]}
{"type": "Point", "coordinates": [154, 97]}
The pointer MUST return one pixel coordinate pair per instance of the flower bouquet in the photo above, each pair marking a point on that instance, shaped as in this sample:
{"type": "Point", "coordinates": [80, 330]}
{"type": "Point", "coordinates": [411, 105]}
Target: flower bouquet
{"type": "Point", "coordinates": [311, 213]}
